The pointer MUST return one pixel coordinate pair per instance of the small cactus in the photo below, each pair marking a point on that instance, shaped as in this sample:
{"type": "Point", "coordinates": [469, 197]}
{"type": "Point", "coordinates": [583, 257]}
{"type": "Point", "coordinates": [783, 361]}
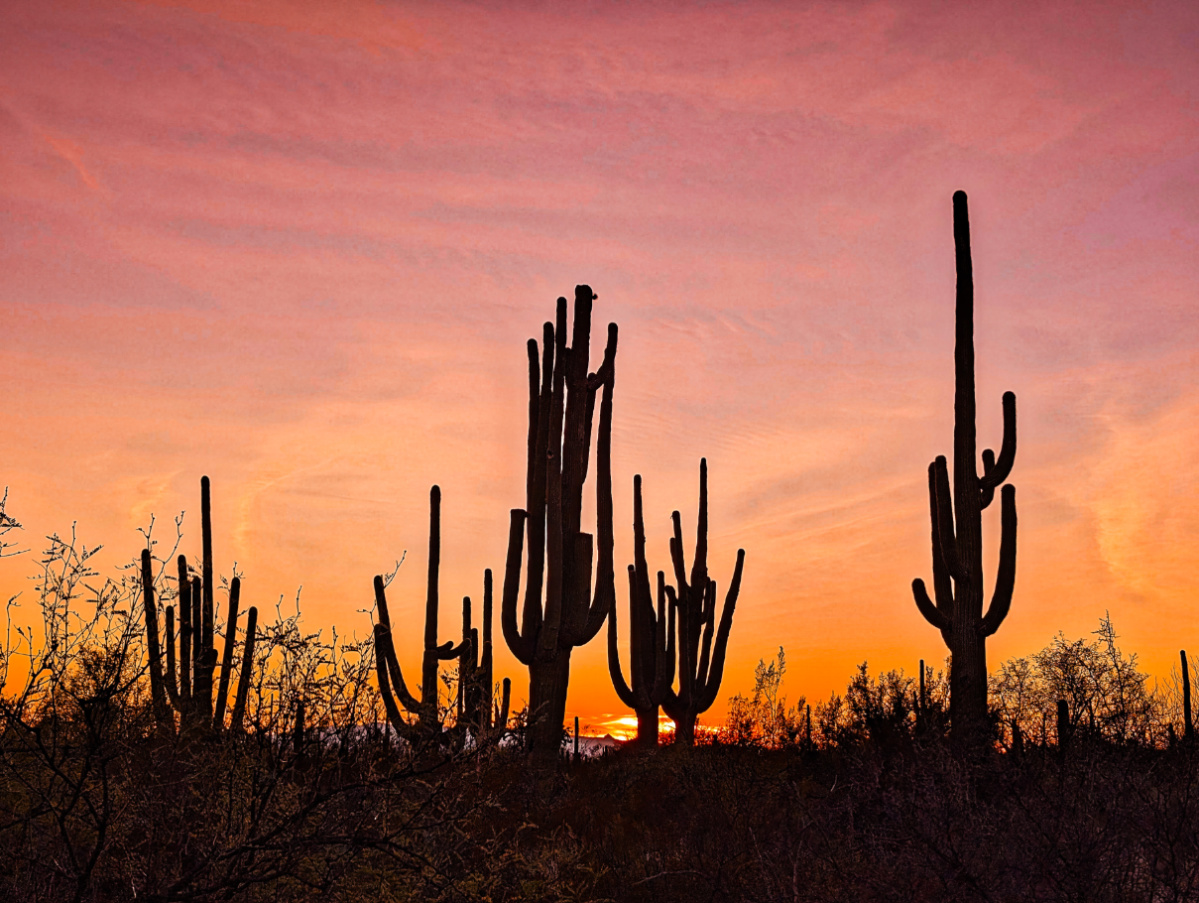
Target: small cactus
{"type": "Point", "coordinates": [478, 711]}
{"type": "Point", "coordinates": [701, 644]}
{"type": "Point", "coordinates": [187, 685]}
{"type": "Point", "coordinates": [651, 639]}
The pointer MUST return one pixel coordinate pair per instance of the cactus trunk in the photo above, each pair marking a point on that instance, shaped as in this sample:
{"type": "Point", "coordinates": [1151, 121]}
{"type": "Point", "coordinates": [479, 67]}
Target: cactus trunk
{"type": "Point", "coordinates": [1188, 724]}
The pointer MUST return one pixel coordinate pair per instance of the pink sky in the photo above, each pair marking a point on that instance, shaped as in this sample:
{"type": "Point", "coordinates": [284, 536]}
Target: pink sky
{"type": "Point", "coordinates": [299, 247]}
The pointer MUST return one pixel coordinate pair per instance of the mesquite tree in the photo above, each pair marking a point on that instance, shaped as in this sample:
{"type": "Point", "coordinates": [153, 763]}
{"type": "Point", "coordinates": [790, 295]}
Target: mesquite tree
{"type": "Point", "coordinates": [651, 638]}
{"type": "Point", "coordinates": [701, 663]}
{"type": "Point", "coordinates": [187, 685]}
{"type": "Point", "coordinates": [560, 609]}
{"type": "Point", "coordinates": [957, 521]}
{"type": "Point", "coordinates": [387, 666]}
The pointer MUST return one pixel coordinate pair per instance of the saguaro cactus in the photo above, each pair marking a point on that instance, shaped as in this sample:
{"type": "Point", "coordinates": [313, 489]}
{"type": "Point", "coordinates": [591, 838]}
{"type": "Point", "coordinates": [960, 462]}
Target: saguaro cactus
{"type": "Point", "coordinates": [387, 666]}
{"type": "Point", "coordinates": [701, 666]}
{"type": "Point", "coordinates": [1188, 724]}
{"type": "Point", "coordinates": [187, 684]}
{"type": "Point", "coordinates": [476, 711]}
{"type": "Point", "coordinates": [651, 638]}
{"type": "Point", "coordinates": [560, 556]}
{"type": "Point", "coordinates": [957, 521]}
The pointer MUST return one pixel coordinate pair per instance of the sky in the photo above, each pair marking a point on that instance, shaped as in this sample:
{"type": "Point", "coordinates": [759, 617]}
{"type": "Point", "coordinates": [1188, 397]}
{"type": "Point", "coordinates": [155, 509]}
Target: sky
{"type": "Point", "coordinates": [299, 247]}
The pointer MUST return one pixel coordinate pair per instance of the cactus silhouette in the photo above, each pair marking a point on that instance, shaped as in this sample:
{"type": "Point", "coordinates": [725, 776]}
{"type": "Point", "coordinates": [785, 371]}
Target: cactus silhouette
{"type": "Point", "coordinates": [957, 521]}
{"type": "Point", "coordinates": [701, 644]}
{"type": "Point", "coordinates": [1188, 724]}
{"type": "Point", "coordinates": [477, 710]}
{"type": "Point", "coordinates": [651, 638]}
{"type": "Point", "coordinates": [187, 685]}
{"type": "Point", "coordinates": [561, 558]}
{"type": "Point", "coordinates": [387, 668]}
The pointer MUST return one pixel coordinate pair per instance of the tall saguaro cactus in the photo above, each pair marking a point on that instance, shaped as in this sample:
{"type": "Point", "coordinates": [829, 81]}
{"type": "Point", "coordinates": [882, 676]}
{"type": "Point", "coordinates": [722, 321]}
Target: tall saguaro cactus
{"type": "Point", "coordinates": [702, 644]}
{"type": "Point", "coordinates": [387, 667]}
{"type": "Point", "coordinates": [957, 521]}
{"type": "Point", "coordinates": [187, 685]}
{"type": "Point", "coordinates": [561, 558]}
{"type": "Point", "coordinates": [651, 638]}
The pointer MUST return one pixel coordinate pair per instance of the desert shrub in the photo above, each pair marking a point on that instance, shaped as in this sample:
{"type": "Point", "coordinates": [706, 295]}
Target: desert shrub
{"type": "Point", "coordinates": [1108, 697]}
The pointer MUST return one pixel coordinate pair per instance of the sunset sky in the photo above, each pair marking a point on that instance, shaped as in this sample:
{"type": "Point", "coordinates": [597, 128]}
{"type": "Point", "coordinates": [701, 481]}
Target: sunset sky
{"type": "Point", "coordinates": [299, 247]}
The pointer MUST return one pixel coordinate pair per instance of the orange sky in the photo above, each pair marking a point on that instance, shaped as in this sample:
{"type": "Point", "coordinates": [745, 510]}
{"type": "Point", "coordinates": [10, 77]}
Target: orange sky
{"type": "Point", "coordinates": [299, 247]}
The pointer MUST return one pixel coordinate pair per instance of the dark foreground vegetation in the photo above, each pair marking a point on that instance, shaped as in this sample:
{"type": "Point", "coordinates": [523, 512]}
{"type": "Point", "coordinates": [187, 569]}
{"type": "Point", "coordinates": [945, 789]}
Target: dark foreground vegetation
{"type": "Point", "coordinates": [860, 797]}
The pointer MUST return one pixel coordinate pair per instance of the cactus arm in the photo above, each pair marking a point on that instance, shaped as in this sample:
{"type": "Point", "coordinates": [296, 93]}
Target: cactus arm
{"type": "Point", "coordinates": [466, 662]}
{"type": "Point", "coordinates": [185, 635]}
{"type": "Point", "coordinates": [614, 670]}
{"type": "Point", "coordinates": [551, 623]}
{"type": "Point", "coordinates": [946, 540]}
{"type": "Point", "coordinates": [605, 570]}
{"type": "Point", "coordinates": [666, 623]}
{"type": "Point", "coordinates": [222, 695]}
{"type": "Point", "coordinates": [575, 446]}
{"type": "Point", "coordinates": [942, 586]}
{"type": "Point", "coordinates": [986, 492]}
{"type": "Point", "coordinates": [716, 672]}
{"type": "Point", "coordinates": [385, 649]}
{"type": "Point", "coordinates": [672, 703]}
{"type": "Point", "coordinates": [931, 613]}
{"type": "Point", "coordinates": [447, 651]}
{"type": "Point", "coordinates": [994, 476]}
{"type": "Point", "coordinates": [172, 692]}
{"type": "Point", "coordinates": [676, 555]}
{"type": "Point", "coordinates": [501, 715]}
{"type": "Point", "coordinates": [595, 381]}
{"type": "Point", "coordinates": [522, 646]}
{"type": "Point", "coordinates": [247, 666]}
{"type": "Point", "coordinates": [1005, 578]}
{"type": "Point", "coordinates": [535, 502]}
{"type": "Point", "coordinates": [157, 693]}
{"type": "Point", "coordinates": [534, 408]}
{"type": "Point", "coordinates": [198, 652]}
{"type": "Point", "coordinates": [708, 617]}
{"type": "Point", "coordinates": [384, 655]}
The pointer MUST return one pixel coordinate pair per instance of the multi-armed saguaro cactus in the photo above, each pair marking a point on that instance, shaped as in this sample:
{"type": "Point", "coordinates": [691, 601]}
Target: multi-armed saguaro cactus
{"type": "Point", "coordinates": [651, 638]}
{"type": "Point", "coordinates": [561, 411]}
{"type": "Point", "coordinates": [701, 668]}
{"type": "Point", "coordinates": [387, 666]}
{"type": "Point", "coordinates": [475, 674]}
{"type": "Point", "coordinates": [187, 685]}
{"type": "Point", "coordinates": [957, 521]}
